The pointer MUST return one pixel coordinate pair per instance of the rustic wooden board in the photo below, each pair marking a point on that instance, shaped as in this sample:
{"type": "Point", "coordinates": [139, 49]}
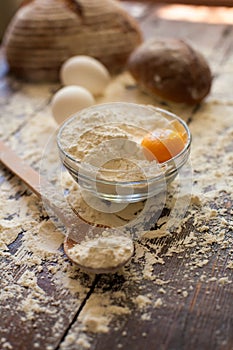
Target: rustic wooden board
{"type": "Point", "coordinates": [40, 293]}
{"type": "Point", "coordinates": [37, 308]}
{"type": "Point", "coordinates": [195, 311]}
{"type": "Point", "coordinates": [177, 292]}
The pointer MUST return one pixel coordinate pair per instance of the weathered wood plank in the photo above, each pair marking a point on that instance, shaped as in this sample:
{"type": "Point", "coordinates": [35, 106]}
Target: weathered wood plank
{"type": "Point", "coordinates": [40, 291]}
{"type": "Point", "coordinates": [177, 292]}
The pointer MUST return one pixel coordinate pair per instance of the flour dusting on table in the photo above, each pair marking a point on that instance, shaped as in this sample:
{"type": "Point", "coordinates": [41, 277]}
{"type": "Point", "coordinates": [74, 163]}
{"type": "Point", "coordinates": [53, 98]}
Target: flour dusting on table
{"type": "Point", "coordinates": [39, 262]}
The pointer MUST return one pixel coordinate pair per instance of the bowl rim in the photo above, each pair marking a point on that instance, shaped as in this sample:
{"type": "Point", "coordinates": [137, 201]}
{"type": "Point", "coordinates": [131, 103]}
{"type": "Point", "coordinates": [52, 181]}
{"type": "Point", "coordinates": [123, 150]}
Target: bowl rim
{"type": "Point", "coordinates": [159, 166]}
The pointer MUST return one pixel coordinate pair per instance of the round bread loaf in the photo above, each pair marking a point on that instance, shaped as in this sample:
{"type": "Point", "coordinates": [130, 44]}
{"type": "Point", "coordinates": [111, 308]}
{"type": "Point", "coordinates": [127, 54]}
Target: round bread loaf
{"type": "Point", "coordinates": [171, 69]}
{"type": "Point", "coordinates": [45, 33]}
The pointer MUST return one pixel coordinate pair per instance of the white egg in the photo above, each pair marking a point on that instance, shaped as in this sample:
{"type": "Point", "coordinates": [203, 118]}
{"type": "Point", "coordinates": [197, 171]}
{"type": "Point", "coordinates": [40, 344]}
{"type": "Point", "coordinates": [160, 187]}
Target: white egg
{"type": "Point", "coordinates": [69, 100]}
{"type": "Point", "coordinates": [85, 71]}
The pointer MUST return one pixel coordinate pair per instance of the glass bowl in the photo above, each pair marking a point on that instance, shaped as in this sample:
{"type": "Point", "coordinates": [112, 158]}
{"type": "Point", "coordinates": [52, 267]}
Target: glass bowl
{"type": "Point", "coordinates": [100, 146]}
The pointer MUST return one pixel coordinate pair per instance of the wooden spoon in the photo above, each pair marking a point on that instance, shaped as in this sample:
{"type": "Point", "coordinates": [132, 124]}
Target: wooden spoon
{"type": "Point", "coordinates": [77, 229]}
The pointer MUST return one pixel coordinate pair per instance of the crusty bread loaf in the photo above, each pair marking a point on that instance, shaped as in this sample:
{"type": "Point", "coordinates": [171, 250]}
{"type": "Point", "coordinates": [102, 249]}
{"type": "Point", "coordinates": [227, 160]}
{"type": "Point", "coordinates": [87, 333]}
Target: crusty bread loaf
{"type": "Point", "coordinates": [171, 69]}
{"type": "Point", "coordinates": [44, 33]}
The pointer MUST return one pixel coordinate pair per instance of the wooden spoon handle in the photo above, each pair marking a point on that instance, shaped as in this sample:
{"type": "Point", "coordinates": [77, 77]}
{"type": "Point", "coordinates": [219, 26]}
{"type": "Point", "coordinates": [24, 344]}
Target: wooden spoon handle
{"type": "Point", "coordinates": [76, 228]}
{"type": "Point", "coordinates": [29, 176]}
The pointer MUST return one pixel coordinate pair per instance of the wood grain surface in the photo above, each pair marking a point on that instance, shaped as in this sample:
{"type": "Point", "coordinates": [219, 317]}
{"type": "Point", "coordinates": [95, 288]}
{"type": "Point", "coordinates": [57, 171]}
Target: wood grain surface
{"type": "Point", "coordinates": [177, 292]}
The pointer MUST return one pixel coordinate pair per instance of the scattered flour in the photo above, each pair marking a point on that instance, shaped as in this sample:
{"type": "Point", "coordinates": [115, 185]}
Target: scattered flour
{"type": "Point", "coordinates": [158, 303]}
{"type": "Point", "coordinates": [99, 312]}
{"type": "Point", "coordinates": [142, 301]}
{"type": "Point", "coordinates": [205, 230]}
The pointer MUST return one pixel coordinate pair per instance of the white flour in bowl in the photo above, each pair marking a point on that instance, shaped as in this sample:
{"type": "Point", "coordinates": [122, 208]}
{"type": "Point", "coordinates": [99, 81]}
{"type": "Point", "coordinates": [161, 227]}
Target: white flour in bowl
{"type": "Point", "coordinates": [110, 139]}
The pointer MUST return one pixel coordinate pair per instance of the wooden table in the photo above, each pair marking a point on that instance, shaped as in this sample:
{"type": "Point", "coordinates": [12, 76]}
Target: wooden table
{"type": "Point", "coordinates": [177, 292]}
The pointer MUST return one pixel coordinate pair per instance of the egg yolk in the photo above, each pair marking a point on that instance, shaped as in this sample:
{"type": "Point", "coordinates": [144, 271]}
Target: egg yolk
{"type": "Point", "coordinates": [162, 144]}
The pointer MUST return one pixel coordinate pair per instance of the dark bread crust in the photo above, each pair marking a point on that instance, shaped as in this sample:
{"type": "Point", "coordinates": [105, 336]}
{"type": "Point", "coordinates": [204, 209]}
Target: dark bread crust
{"type": "Point", "coordinates": [171, 69]}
